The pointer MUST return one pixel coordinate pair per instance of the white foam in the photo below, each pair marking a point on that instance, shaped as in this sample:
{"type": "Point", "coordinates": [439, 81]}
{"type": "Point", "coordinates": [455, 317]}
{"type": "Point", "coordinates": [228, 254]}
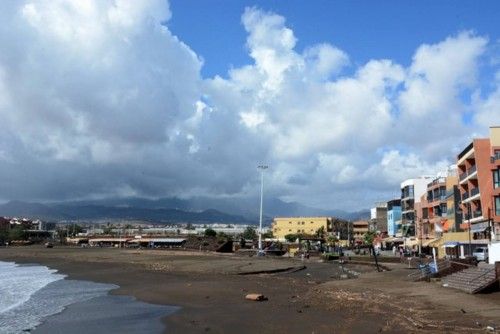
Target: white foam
{"type": "Point", "coordinates": [18, 283]}
{"type": "Point", "coordinates": [29, 294]}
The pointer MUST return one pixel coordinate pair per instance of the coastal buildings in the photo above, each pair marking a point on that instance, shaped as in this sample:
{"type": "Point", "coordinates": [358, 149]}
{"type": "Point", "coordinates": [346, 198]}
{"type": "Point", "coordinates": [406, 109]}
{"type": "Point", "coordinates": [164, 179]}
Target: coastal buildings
{"type": "Point", "coordinates": [378, 218]}
{"type": "Point", "coordinates": [283, 226]}
{"type": "Point", "coordinates": [478, 166]}
{"type": "Point", "coordinates": [394, 217]}
{"type": "Point", "coordinates": [411, 192]}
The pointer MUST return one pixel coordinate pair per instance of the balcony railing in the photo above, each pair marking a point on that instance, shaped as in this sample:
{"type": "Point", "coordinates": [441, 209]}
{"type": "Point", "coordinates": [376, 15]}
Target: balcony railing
{"type": "Point", "coordinates": [465, 196]}
{"type": "Point", "coordinates": [468, 172]}
{"type": "Point", "coordinates": [477, 213]}
{"type": "Point", "coordinates": [437, 181]}
{"type": "Point", "coordinates": [472, 170]}
{"type": "Point", "coordinates": [474, 192]}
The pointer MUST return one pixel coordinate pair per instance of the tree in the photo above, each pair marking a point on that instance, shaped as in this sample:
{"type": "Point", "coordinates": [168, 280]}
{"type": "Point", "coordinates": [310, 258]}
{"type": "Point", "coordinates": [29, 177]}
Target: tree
{"type": "Point", "coordinates": [332, 240]}
{"type": "Point", "coordinates": [210, 232]}
{"type": "Point", "coordinates": [61, 235]}
{"type": "Point", "coordinates": [250, 233]}
{"type": "Point", "coordinates": [320, 232]}
{"type": "Point", "coordinates": [4, 234]}
{"type": "Point", "coordinates": [292, 237]}
{"type": "Point", "coordinates": [224, 236]}
{"type": "Point", "coordinates": [268, 235]}
{"type": "Point", "coordinates": [108, 230]}
{"type": "Point", "coordinates": [74, 229]}
{"type": "Point", "coordinates": [17, 233]}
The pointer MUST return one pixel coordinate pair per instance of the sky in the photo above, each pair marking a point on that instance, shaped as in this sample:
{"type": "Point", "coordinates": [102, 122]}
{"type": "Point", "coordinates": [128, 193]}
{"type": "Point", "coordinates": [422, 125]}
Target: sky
{"type": "Point", "coordinates": [342, 99]}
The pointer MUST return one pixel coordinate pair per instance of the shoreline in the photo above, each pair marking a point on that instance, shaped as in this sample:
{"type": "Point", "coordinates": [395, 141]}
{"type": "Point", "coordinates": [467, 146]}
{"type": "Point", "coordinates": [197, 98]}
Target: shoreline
{"type": "Point", "coordinates": [211, 296]}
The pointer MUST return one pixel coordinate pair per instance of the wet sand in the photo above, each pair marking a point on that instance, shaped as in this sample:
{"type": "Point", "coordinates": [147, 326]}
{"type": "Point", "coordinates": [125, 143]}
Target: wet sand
{"type": "Point", "coordinates": [210, 292]}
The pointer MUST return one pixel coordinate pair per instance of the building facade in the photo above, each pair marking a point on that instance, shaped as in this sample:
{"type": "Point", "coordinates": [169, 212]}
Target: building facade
{"type": "Point", "coordinates": [283, 226]}
{"type": "Point", "coordinates": [378, 216]}
{"type": "Point", "coordinates": [438, 211]}
{"type": "Point", "coordinates": [394, 217]}
{"type": "Point", "coordinates": [411, 193]}
{"type": "Point", "coordinates": [359, 228]}
{"type": "Point", "coordinates": [478, 166]}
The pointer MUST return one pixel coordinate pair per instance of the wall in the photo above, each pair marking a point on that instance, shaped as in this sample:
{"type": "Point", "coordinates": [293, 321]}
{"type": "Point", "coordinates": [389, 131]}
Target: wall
{"type": "Point", "coordinates": [494, 253]}
{"type": "Point", "coordinates": [392, 217]}
{"type": "Point", "coordinates": [295, 225]}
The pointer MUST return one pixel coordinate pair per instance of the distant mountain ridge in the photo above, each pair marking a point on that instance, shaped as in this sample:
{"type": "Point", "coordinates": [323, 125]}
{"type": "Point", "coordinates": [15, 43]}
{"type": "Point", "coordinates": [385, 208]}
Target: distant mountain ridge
{"type": "Point", "coordinates": [170, 210]}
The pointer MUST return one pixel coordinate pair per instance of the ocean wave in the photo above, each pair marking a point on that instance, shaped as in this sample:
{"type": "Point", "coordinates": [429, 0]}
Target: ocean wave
{"type": "Point", "coordinates": [31, 293]}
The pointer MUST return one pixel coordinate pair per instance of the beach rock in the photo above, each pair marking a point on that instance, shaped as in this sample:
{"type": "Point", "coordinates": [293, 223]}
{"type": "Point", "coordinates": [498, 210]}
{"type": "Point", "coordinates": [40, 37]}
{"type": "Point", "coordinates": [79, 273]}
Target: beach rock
{"type": "Point", "coordinates": [257, 297]}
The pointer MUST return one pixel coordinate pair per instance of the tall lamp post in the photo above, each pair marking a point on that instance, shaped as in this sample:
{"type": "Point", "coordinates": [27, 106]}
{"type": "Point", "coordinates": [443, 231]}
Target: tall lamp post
{"type": "Point", "coordinates": [469, 216]}
{"type": "Point", "coordinates": [262, 169]}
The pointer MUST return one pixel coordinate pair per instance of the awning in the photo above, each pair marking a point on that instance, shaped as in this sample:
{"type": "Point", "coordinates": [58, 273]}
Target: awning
{"type": "Point", "coordinates": [393, 239]}
{"type": "Point", "coordinates": [411, 242]}
{"type": "Point", "coordinates": [429, 242]}
{"type": "Point", "coordinates": [451, 244]}
{"type": "Point", "coordinates": [478, 228]}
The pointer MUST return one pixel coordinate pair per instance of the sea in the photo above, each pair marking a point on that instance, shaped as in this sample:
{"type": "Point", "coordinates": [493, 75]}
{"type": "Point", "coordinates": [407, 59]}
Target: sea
{"type": "Point", "coordinates": [37, 299]}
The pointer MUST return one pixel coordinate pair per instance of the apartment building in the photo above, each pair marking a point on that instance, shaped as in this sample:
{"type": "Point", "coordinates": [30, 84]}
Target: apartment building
{"type": "Point", "coordinates": [411, 193]}
{"type": "Point", "coordinates": [478, 168]}
{"type": "Point", "coordinates": [495, 171]}
{"type": "Point", "coordinates": [378, 218]}
{"type": "Point", "coordinates": [359, 228]}
{"type": "Point", "coordinates": [394, 217]}
{"type": "Point", "coordinates": [438, 210]}
{"type": "Point", "coordinates": [283, 226]}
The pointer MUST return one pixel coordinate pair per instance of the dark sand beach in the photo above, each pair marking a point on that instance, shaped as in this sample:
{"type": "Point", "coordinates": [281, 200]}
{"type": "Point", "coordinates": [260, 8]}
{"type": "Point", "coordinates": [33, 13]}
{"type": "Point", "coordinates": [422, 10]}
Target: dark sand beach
{"type": "Point", "coordinates": [210, 290]}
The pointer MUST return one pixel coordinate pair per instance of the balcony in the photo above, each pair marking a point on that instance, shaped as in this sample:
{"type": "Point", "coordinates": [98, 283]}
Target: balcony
{"type": "Point", "coordinates": [463, 176]}
{"type": "Point", "coordinates": [474, 192]}
{"type": "Point", "coordinates": [472, 170]}
{"type": "Point", "coordinates": [477, 213]}
{"type": "Point", "coordinates": [465, 196]}
{"type": "Point", "coordinates": [468, 173]}
{"type": "Point", "coordinates": [439, 180]}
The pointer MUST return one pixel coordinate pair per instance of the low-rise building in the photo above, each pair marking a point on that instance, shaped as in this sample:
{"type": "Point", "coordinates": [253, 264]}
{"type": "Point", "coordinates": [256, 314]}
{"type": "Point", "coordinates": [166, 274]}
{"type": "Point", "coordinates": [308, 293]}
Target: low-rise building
{"type": "Point", "coordinates": [283, 226]}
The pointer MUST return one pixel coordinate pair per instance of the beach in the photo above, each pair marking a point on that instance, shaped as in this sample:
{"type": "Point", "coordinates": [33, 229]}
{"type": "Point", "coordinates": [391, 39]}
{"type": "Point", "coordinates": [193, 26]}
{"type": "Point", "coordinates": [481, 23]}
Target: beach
{"type": "Point", "coordinates": [209, 291]}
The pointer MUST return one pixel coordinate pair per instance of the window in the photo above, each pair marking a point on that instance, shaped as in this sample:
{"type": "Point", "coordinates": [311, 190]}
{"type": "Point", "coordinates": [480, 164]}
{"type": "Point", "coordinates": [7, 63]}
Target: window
{"type": "Point", "coordinates": [497, 206]}
{"type": "Point", "coordinates": [496, 178]}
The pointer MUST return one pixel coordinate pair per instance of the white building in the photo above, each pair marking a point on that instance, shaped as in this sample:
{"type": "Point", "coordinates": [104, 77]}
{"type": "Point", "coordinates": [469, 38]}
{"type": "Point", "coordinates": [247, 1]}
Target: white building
{"type": "Point", "coordinates": [411, 191]}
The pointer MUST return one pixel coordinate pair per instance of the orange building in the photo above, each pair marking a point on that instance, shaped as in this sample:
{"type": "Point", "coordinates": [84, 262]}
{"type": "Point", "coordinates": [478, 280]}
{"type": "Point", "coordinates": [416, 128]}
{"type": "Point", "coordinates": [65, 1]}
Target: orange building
{"type": "Point", "coordinates": [478, 166]}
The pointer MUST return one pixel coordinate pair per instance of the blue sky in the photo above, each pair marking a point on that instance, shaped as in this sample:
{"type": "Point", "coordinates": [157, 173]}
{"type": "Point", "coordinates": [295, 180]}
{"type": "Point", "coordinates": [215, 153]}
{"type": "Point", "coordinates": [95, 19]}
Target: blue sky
{"type": "Point", "coordinates": [342, 99]}
{"type": "Point", "coordinates": [363, 29]}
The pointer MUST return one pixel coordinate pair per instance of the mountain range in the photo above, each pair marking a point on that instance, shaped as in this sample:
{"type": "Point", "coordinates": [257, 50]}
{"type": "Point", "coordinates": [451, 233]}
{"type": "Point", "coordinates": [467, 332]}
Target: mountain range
{"type": "Point", "coordinates": [170, 210]}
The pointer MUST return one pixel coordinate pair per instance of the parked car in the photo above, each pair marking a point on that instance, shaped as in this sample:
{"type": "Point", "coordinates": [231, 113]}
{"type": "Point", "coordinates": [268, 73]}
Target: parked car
{"type": "Point", "coordinates": [49, 245]}
{"type": "Point", "coordinates": [481, 253]}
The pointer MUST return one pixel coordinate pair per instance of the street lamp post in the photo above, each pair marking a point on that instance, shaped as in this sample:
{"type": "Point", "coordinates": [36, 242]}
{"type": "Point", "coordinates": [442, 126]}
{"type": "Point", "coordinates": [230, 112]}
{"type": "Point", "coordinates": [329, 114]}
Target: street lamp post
{"type": "Point", "coordinates": [468, 216]}
{"type": "Point", "coordinates": [262, 169]}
